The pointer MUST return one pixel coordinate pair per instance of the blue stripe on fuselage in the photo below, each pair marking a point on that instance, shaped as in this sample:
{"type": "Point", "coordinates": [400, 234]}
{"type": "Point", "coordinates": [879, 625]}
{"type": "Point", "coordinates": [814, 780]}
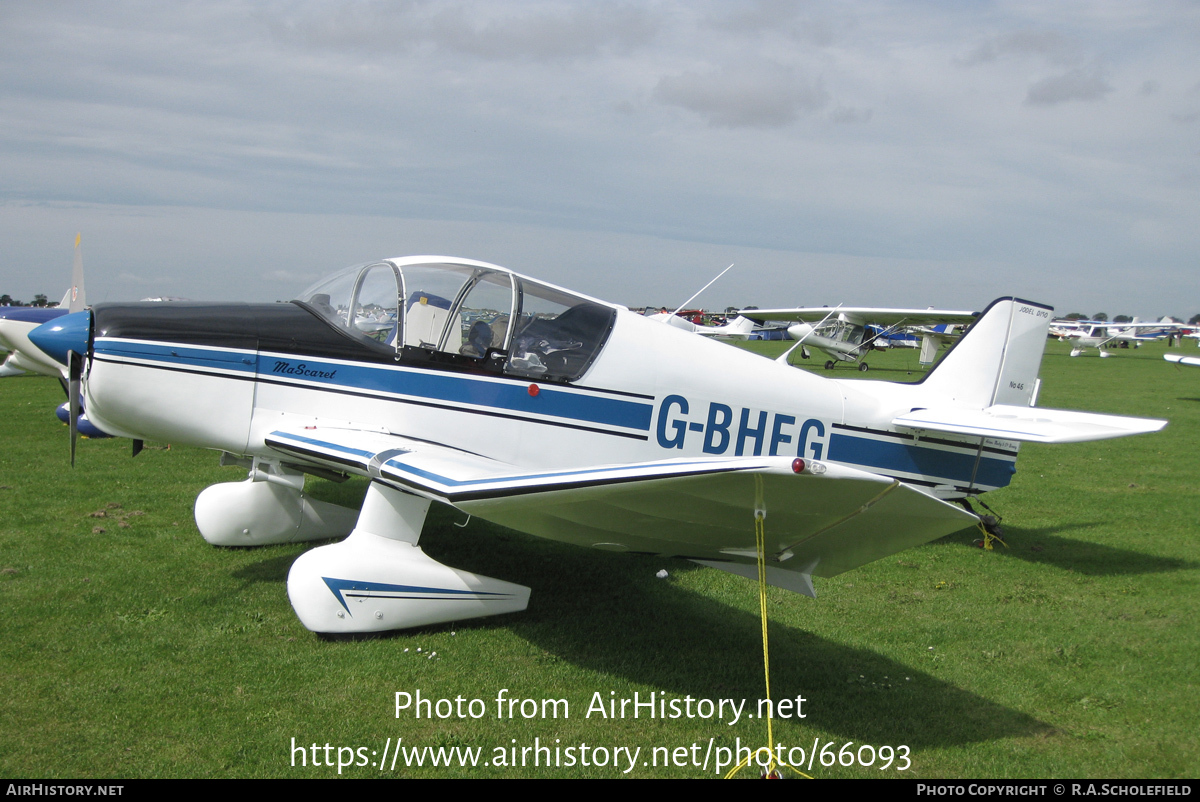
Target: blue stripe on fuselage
{"type": "Point", "coordinates": [241, 361]}
{"type": "Point", "coordinates": [884, 457]}
{"type": "Point", "coordinates": [425, 385]}
{"type": "Point", "coordinates": [454, 388]}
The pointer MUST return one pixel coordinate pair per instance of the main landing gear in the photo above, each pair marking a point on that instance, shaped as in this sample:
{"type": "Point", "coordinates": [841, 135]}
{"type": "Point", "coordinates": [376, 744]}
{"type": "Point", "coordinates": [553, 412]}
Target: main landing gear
{"type": "Point", "coordinates": [377, 579]}
{"type": "Point", "coordinates": [862, 366]}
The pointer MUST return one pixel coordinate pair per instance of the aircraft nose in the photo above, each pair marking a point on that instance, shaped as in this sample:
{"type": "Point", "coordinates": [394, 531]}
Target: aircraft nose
{"type": "Point", "coordinates": [798, 330]}
{"type": "Point", "coordinates": [68, 333]}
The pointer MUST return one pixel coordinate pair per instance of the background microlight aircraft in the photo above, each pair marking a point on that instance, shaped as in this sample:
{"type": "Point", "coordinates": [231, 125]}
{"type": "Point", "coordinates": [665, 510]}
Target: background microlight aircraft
{"type": "Point", "coordinates": [841, 332]}
{"type": "Point", "coordinates": [934, 337]}
{"type": "Point", "coordinates": [1098, 334]}
{"type": "Point", "coordinates": [460, 382]}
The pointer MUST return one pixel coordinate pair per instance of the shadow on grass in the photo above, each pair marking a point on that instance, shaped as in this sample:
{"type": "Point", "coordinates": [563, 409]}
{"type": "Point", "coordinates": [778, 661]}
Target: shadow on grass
{"type": "Point", "coordinates": [270, 569]}
{"type": "Point", "coordinates": [609, 614]}
{"type": "Point", "coordinates": [1045, 547]}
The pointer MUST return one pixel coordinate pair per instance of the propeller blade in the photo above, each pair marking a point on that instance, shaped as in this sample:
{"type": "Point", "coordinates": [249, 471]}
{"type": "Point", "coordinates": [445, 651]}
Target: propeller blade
{"type": "Point", "coordinates": [78, 300]}
{"type": "Point", "coordinates": [75, 374]}
{"type": "Point", "coordinates": [137, 447]}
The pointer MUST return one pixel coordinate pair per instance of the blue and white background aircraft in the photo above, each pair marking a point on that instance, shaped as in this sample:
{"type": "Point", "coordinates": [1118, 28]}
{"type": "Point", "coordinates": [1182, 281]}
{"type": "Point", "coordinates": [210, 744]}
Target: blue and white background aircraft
{"type": "Point", "coordinates": [458, 382]}
{"type": "Point", "coordinates": [17, 321]}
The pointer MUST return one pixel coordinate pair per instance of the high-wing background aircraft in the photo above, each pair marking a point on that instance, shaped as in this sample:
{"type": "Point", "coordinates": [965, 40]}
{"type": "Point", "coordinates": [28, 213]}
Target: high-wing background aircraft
{"type": "Point", "coordinates": [1097, 334]}
{"type": "Point", "coordinates": [459, 382]}
{"type": "Point", "coordinates": [841, 332]}
{"type": "Point", "coordinates": [934, 337]}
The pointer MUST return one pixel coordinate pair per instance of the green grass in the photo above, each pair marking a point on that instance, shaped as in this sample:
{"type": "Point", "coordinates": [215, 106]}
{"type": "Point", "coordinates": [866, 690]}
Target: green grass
{"type": "Point", "coordinates": [140, 651]}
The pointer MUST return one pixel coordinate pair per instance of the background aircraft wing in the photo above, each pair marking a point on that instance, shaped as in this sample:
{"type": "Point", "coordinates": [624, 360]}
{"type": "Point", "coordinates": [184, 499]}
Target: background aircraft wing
{"type": "Point", "coordinates": [882, 316]}
{"type": "Point", "coordinates": [822, 521]}
{"type": "Point", "coordinates": [1183, 360]}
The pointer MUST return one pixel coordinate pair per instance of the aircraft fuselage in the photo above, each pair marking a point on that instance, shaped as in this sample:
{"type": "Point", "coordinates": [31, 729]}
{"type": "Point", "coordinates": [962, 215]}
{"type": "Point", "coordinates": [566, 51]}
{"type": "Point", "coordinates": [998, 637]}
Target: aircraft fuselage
{"type": "Point", "coordinates": [243, 371]}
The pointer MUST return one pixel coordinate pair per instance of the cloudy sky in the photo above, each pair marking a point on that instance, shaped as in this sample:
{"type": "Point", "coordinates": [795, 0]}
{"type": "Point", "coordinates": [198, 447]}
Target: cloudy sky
{"type": "Point", "coordinates": [867, 153]}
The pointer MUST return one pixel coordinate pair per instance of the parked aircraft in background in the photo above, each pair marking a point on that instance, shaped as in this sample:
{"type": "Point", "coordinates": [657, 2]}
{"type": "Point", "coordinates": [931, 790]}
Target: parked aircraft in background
{"type": "Point", "coordinates": [459, 382]}
{"type": "Point", "coordinates": [934, 337]}
{"type": "Point", "coordinates": [841, 332]}
{"type": "Point", "coordinates": [23, 356]}
{"type": "Point", "coordinates": [1098, 334]}
{"type": "Point", "coordinates": [739, 328]}
{"type": "Point", "coordinates": [17, 321]}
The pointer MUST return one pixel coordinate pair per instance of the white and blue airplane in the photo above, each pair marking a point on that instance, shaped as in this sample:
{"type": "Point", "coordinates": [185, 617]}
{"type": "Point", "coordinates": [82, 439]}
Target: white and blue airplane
{"type": "Point", "coordinates": [17, 321]}
{"type": "Point", "coordinates": [458, 382]}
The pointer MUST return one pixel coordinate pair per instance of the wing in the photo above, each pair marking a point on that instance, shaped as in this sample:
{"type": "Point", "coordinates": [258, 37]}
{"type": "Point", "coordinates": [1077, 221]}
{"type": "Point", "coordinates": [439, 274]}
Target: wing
{"type": "Point", "coordinates": [821, 521]}
{"type": "Point", "coordinates": [1183, 360]}
{"type": "Point", "coordinates": [882, 316]}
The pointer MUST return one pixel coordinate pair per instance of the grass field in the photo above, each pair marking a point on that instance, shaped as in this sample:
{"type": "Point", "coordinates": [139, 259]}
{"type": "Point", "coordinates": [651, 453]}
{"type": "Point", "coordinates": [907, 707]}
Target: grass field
{"type": "Point", "coordinates": [130, 648]}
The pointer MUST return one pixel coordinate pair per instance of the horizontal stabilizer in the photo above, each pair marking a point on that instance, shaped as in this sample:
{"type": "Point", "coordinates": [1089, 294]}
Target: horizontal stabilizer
{"type": "Point", "coordinates": [1027, 424]}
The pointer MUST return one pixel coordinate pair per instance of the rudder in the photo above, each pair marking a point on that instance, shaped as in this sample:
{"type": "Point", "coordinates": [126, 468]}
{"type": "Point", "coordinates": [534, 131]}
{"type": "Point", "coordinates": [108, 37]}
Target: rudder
{"type": "Point", "coordinates": [997, 360]}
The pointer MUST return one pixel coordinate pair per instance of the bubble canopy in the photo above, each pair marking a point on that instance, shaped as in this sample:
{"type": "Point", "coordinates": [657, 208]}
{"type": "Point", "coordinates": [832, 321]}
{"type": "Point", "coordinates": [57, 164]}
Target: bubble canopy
{"type": "Point", "coordinates": [463, 313]}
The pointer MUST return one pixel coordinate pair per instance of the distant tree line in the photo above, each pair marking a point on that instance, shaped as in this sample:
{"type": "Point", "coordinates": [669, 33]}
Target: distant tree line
{"type": "Point", "coordinates": [38, 300]}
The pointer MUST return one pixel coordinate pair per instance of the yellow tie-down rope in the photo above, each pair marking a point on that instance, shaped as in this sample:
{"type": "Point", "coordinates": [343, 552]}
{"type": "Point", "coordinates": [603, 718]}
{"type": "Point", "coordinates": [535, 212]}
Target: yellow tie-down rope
{"type": "Point", "coordinates": [988, 537]}
{"type": "Point", "coordinates": [771, 769]}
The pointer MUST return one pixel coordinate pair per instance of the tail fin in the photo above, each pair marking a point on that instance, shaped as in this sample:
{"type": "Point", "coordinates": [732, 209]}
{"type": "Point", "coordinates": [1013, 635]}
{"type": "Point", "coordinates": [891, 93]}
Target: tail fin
{"type": "Point", "coordinates": [985, 385]}
{"type": "Point", "coordinates": [741, 326]}
{"type": "Point", "coordinates": [997, 360]}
